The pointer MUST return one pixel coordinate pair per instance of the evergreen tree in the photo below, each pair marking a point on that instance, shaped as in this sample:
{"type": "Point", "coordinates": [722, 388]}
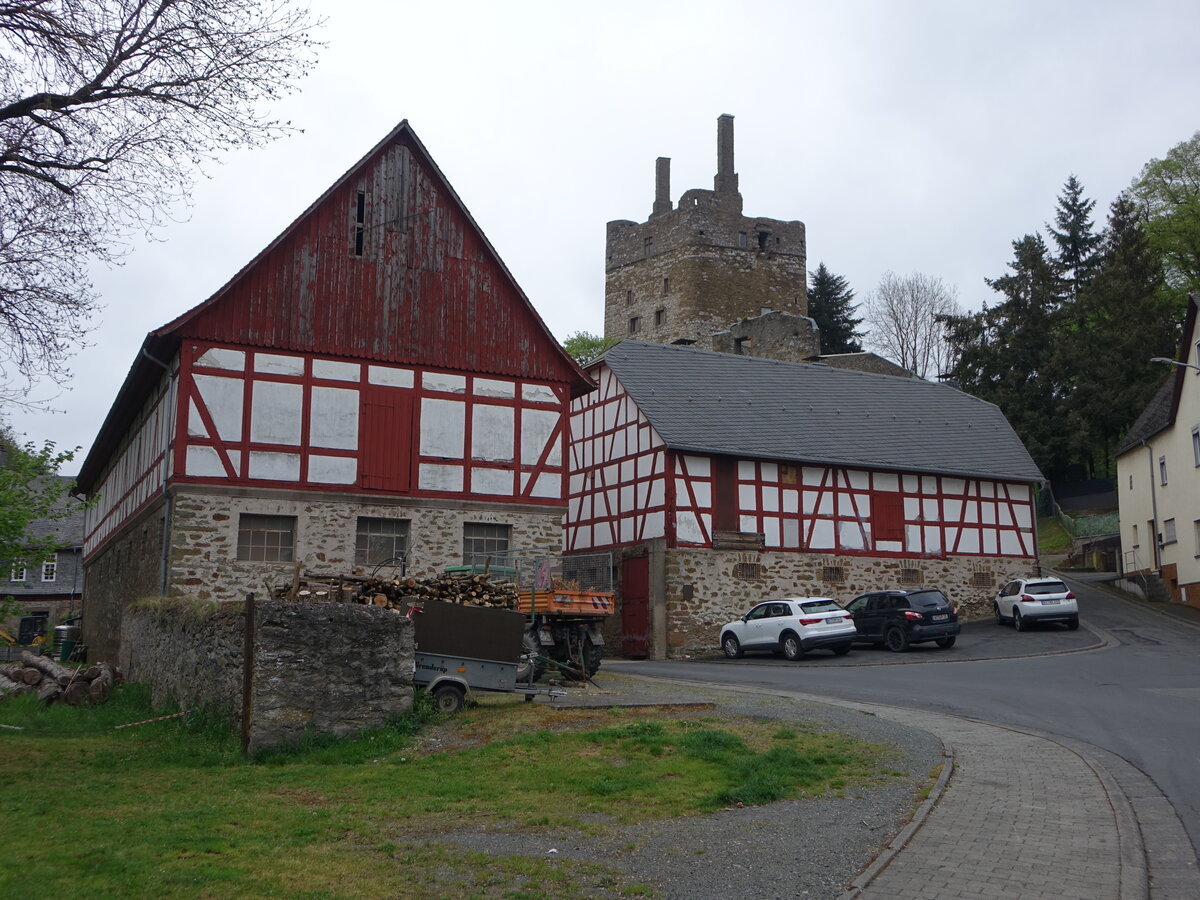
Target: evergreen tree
{"type": "Point", "coordinates": [831, 305]}
{"type": "Point", "coordinates": [1077, 242]}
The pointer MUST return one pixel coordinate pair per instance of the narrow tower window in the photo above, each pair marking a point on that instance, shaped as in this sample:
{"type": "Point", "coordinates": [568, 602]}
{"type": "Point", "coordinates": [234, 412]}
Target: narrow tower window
{"type": "Point", "coordinates": [360, 222]}
{"type": "Point", "coordinates": [634, 322]}
{"type": "Point", "coordinates": [660, 316]}
{"type": "Point", "coordinates": [666, 286]}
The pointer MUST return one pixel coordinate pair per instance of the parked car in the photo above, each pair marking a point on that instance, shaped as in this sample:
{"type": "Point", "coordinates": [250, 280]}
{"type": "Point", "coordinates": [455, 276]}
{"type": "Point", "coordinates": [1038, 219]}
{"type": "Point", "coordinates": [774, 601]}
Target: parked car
{"type": "Point", "coordinates": [899, 618]}
{"type": "Point", "coordinates": [1029, 600]}
{"type": "Point", "coordinates": [790, 626]}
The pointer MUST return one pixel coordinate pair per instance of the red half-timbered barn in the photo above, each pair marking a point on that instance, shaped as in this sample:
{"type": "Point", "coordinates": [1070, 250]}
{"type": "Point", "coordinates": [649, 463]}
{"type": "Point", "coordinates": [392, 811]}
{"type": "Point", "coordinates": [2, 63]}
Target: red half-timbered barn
{"type": "Point", "coordinates": [373, 385]}
{"type": "Point", "coordinates": [721, 480]}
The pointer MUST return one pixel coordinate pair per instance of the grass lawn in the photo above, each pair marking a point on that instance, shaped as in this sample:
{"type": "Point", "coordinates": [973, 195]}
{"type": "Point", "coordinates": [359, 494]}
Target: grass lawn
{"type": "Point", "coordinates": [1054, 541]}
{"type": "Point", "coordinates": [171, 809]}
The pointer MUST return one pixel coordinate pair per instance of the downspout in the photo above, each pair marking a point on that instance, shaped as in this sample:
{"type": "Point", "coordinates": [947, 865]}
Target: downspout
{"type": "Point", "coordinates": [1153, 508]}
{"type": "Point", "coordinates": [164, 540]}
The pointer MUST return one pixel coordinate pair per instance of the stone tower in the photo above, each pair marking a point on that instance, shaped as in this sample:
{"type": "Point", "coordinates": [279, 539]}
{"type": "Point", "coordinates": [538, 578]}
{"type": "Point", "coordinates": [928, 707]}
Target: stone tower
{"type": "Point", "coordinates": [688, 273]}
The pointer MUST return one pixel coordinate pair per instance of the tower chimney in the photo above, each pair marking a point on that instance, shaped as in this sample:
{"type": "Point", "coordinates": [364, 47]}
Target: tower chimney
{"type": "Point", "coordinates": [726, 181]}
{"type": "Point", "coordinates": [662, 186]}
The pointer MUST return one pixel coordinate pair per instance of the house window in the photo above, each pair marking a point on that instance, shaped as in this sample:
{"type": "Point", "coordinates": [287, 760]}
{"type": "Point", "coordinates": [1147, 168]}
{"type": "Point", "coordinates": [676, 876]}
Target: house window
{"type": "Point", "coordinates": [1169, 532]}
{"type": "Point", "coordinates": [1131, 482]}
{"type": "Point", "coordinates": [360, 222]}
{"type": "Point", "coordinates": [1196, 443]}
{"type": "Point", "coordinates": [378, 541]}
{"type": "Point", "coordinates": [266, 538]}
{"type": "Point", "coordinates": [660, 316]}
{"type": "Point", "coordinates": [1135, 537]}
{"type": "Point", "coordinates": [666, 286]}
{"type": "Point", "coordinates": [18, 573]}
{"type": "Point", "coordinates": [1196, 534]}
{"type": "Point", "coordinates": [50, 570]}
{"type": "Point", "coordinates": [648, 245]}
{"type": "Point", "coordinates": [629, 298]}
{"type": "Point", "coordinates": [634, 323]}
{"type": "Point", "coordinates": [1162, 470]}
{"type": "Point", "coordinates": [742, 239]}
{"type": "Point", "coordinates": [481, 539]}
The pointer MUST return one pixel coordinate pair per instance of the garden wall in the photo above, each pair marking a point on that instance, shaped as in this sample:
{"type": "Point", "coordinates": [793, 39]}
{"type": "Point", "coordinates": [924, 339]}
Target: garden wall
{"type": "Point", "coordinates": [320, 668]}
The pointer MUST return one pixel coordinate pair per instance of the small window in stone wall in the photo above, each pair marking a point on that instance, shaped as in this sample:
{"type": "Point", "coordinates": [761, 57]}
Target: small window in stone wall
{"type": "Point", "coordinates": [481, 539]}
{"type": "Point", "coordinates": [266, 538]}
{"type": "Point", "coordinates": [833, 574]}
{"type": "Point", "coordinates": [911, 576]}
{"type": "Point", "coordinates": [660, 316]}
{"type": "Point", "coordinates": [748, 571]}
{"type": "Point", "coordinates": [983, 579]}
{"type": "Point", "coordinates": [380, 541]}
{"type": "Point", "coordinates": [634, 323]}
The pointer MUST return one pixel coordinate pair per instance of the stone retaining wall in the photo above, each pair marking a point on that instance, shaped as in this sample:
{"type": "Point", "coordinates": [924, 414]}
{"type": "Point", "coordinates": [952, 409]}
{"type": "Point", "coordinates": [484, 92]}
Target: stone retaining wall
{"type": "Point", "coordinates": [320, 668]}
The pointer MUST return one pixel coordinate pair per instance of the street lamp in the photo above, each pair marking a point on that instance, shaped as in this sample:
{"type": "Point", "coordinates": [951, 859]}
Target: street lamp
{"type": "Point", "coordinates": [1174, 362]}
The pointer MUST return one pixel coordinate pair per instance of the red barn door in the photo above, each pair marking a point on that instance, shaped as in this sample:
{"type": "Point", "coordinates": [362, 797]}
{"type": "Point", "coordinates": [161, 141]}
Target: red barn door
{"type": "Point", "coordinates": [635, 606]}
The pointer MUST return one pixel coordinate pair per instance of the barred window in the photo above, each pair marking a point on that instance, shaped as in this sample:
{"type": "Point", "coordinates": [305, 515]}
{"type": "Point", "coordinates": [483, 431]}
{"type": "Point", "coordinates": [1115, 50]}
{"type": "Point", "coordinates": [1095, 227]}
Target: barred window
{"type": "Point", "coordinates": [481, 539]}
{"type": "Point", "coordinates": [983, 579]}
{"type": "Point", "coordinates": [380, 540]}
{"type": "Point", "coordinates": [833, 574]}
{"type": "Point", "coordinates": [748, 571]}
{"type": "Point", "coordinates": [266, 538]}
{"type": "Point", "coordinates": [910, 576]}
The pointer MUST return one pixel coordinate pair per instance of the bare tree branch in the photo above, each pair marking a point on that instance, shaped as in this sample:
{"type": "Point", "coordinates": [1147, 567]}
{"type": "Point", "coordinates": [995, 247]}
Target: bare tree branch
{"type": "Point", "coordinates": [904, 317]}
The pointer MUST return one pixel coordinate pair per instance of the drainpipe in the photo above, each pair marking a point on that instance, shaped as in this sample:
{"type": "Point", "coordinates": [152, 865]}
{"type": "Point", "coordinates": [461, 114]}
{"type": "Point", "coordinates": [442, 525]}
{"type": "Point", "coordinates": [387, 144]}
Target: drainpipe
{"type": "Point", "coordinates": [165, 539]}
{"type": "Point", "coordinates": [1153, 507]}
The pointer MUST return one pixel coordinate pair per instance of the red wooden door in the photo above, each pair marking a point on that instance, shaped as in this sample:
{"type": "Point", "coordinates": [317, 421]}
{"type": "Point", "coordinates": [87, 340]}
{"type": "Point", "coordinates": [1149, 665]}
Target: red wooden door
{"type": "Point", "coordinates": [635, 606]}
{"type": "Point", "coordinates": [385, 454]}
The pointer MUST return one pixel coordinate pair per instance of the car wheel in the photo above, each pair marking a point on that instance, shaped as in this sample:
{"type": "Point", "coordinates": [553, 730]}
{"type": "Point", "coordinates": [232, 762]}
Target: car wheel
{"type": "Point", "coordinates": [1073, 624]}
{"type": "Point", "coordinates": [449, 698]}
{"type": "Point", "coordinates": [731, 646]}
{"type": "Point", "coordinates": [841, 649]}
{"type": "Point", "coordinates": [945, 642]}
{"type": "Point", "coordinates": [897, 640]}
{"type": "Point", "coordinates": [1019, 622]}
{"type": "Point", "coordinates": [1000, 620]}
{"type": "Point", "coordinates": [790, 644]}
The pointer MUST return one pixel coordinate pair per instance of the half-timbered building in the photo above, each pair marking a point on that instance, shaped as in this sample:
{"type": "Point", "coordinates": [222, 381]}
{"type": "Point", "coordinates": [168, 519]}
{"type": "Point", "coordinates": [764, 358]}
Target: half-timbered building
{"type": "Point", "coordinates": [720, 480]}
{"type": "Point", "coordinates": [373, 386]}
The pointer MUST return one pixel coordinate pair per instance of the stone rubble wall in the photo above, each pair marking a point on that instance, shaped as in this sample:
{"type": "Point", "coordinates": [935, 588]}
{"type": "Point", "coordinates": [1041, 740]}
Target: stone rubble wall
{"type": "Point", "coordinates": [319, 668]}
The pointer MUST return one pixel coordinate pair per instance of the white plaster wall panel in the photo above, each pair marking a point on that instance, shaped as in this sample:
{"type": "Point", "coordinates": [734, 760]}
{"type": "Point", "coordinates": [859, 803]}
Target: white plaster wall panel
{"type": "Point", "coordinates": [274, 466]}
{"type": "Point", "coordinates": [583, 538]}
{"type": "Point", "coordinates": [703, 492]}
{"type": "Point", "coordinates": [278, 364]}
{"type": "Point", "coordinates": [968, 541]}
{"type": "Point", "coordinates": [791, 501]}
{"type": "Point", "coordinates": [698, 466]}
{"type": "Point", "coordinates": [655, 525]}
{"type": "Point", "coordinates": [811, 476]}
{"type": "Point", "coordinates": [387, 376]}
{"type": "Point", "coordinates": [771, 530]}
{"type": "Point", "coordinates": [440, 478]}
{"type": "Point", "coordinates": [204, 462]}
{"type": "Point", "coordinates": [970, 512]}
{"type": "Point", "coordinates": [608, 414]}
{"type": "Point", "coordinates": [929, 484]}
{"type": "Point", "coordinates": [681, 493]}
{"type": "Point", "coordinates": [223, 399]}
{"type": "Point", "coordinates": [220, 358]}
{"type": "Point", "coordinates": [613, 500]}
{"type": "Point", "coordinates": [647, 465]}
{"type": "Point", "coordinates": [986, 488]}
{"type": "Point", "coordinates": [747, 497]}
{"type": "Point", "coordinates": [626, 530]}
{"type": "Point", "coordinates": [746, 470]}
{"type": "Point", "coordinates": [443, 428]}
{"type": "Point", "coordinates": [954, 485]}
{"type": "Point", "coordinates": [275, 413]}
{"type": "Point", "coordinates": [492, 481]}
{"type": "Point", "coordinates": [538, 393]}
{"type": "Point", "coordinates": [851, 537]}
{"type": "Point", "coordinates": [1004, 513]}
{"type": "Point", "coordinates": [990, 544]}
{"type": "Point", "coordinates": [987, 513]}
{"type": "Point", "coordinates": [845, 505]}
{"type": "Point", "coordinates": [889, 546]}
{"type": "Point", "coordinates": [929, 511]}
{"type": "Point", "coordinates": [687, 528]}
{"type": "Point", "coordinates": [333, 418]}
{"type": "Point", "coordinates": [612, 474]}
{"type": "Point", "coordinates": [235, 459]}
{"type": "Point", "coordinates": [628, 501]}
{"type": "Point", "coordinates": [954, 509]}
{"type": "Point", "coordinates": [912, 538]}
{"type": "Point", "coordinates": [810, 502]}
{"type": "Point", "coordinates": [654, 442]}
{"type": "Point", "coordinates": [770, 499]}
{"type": "Point", "coordinates": [444, 382]}
{"type": "Point", "coordinates": [332, 469]}
{"type": "Point", "coordinates": [576, 483]}
{"type": "Point", "coordinates": [822, 535]}
{"type": "Point", "coordinates": [860, 481]}
{"type": "Point", "coordinates": [1010, 543]}
{"type": "Point", "coordinates": [493, 432]}
{"type": "Point", "coordinates": [489, 387]}
{"type": "Point", "coordinates": [548, 484]}
{"type": "Point", "coordinates": [657, 492]}
{"type": "Point", "coordinates": [911, 484]}
{"type": "Point", "coordinates": [769, 471]}
{"type": "Point", "coordinates": [791, 534]}
{"type": "Point", "coordinates": [886, 481]}
{"type": "Point", "coordinates": [336, 370]}
{"type": "Point", "coordinates": [628, 470]}
{"type": "Point", "coordinates": [1024, 516]}
{"type": "Point", "coordinates": [195, 425]}
{"type": "Point", "coordinates": [748, 524]}
{"type": "Point", "coordinates": [1019, 492]}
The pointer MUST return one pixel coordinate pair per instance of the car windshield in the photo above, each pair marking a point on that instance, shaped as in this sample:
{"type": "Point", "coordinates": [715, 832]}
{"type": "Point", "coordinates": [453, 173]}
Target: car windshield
{"type": "Point", "coordinates": [1045, 587]}
{"type": "Point", "coordinates": [819, 606]}
{"type": "Point", "coordinates": [928, 599]}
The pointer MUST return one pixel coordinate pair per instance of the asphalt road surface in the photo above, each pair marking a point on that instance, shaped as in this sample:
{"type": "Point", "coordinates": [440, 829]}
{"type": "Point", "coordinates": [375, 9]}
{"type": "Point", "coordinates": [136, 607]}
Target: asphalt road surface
{"type": "Point", "coordinates": [1127, 681]}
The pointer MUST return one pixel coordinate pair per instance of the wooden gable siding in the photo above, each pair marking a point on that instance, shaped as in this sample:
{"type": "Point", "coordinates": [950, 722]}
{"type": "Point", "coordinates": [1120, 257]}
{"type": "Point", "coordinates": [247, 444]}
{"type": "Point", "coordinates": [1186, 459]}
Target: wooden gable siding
{"type": "Point", "coordinates": [427, 289]}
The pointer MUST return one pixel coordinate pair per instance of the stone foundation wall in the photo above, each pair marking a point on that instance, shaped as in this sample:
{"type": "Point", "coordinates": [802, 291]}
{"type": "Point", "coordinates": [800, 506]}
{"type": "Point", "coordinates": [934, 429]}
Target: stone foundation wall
{"type": "Point", "coordinates": [319, 668]}
{"type": "Point", "coordinates": [710, 578]}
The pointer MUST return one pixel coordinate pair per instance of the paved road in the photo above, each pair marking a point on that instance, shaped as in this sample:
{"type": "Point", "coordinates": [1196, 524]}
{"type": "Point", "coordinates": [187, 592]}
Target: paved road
{"type": "Point", "coordinates": [1128, 684]}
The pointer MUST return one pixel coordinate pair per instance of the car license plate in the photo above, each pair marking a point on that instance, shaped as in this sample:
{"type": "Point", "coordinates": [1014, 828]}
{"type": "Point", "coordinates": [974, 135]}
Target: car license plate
{"type": "Point", "coordinates": [836, 619]}
{"type": "Point", "coordinates": [1049, 602]}
{"type": "Point", "coordinates": [941, 618]}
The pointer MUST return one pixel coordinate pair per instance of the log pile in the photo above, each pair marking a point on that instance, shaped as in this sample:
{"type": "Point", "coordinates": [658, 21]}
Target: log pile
{"type": "Point", "coordinates": [54, 682]}
{"type": "Point", "coordinates": [399, 593]}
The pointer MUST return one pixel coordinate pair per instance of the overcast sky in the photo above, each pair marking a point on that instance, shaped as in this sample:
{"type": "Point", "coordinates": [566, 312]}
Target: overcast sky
{"type": "Point", "coordinates": [919, 136]}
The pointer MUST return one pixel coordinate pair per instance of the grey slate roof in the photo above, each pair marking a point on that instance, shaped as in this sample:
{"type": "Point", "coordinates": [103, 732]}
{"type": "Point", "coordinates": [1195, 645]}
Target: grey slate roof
{"type": "Point", "coordinates": [707, 402]}
{"type": "Point", "coordinates": [1158, 414]}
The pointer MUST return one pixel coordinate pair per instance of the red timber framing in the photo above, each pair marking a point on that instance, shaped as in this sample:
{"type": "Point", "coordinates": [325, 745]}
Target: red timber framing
{"type": "Point", "coordinates": [252, 417]}
{"type": "Point", "coordinates": [618, 489]}
{"type": "Point", "coordinates": [617, 498]}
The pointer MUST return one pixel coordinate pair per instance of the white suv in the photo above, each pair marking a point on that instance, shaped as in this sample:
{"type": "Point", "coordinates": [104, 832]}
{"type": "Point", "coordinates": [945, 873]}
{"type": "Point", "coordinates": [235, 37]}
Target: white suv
{"type": "Point", "coordinates": [790, 626]}
{"type": "Point", "coordinates": [1029, 600]}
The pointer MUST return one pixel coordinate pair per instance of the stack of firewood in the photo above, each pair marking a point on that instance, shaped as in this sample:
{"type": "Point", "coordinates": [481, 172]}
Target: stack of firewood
{"type": "Point", "coordinates": [398, 593]}
{"type": "Point", "coordinates": [54, 682]}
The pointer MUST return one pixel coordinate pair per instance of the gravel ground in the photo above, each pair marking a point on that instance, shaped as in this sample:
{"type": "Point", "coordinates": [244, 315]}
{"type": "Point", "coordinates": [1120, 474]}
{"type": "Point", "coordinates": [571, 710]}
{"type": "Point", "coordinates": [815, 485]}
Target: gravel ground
{"type": "Point", "coordinates": [803, 848]}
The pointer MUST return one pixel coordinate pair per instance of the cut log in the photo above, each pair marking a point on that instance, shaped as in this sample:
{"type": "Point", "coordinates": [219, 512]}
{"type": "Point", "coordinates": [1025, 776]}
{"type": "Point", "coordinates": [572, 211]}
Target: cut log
{"type": "Point", "coordinates": [32, 677]}
{"type": "Point", "coordinates": [49, 691]}
{"type": "Point", "coordinates": [77, 693]}
{"type": "Point", "coordinates": [47, 666]}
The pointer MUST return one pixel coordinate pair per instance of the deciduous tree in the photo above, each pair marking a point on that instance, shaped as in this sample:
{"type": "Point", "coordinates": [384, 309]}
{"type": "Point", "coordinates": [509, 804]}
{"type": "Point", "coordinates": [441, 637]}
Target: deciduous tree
{"type": "Point", "coordinates": [831, 305]}
{"type": "Point", "coordinates": [1168, 192]}
{"type": "Point", "coordinates": [906, 316]}
{"type": "Point", "coordinates": [585, 346]}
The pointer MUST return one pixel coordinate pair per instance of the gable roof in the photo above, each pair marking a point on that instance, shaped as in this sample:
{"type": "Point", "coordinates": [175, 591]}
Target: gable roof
{"type": "Point", "coordinates": [1159, 413]}
{"type": "Point", "coordinates": [474, 316]}
{"type": "Point", "coordinates": [706, 402]}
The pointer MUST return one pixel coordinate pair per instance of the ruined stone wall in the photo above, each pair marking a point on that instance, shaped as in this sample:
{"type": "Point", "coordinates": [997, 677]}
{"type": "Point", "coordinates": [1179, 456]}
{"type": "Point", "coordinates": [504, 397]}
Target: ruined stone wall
{"type": "Point", "coordinates": [866, 362]}
{"type": "Point", "coordinates": [718, 595]}
{"type": "Point", "coordinates": [204, 561]}
{"type": "Point", "coordinates": [774, 335]}
{"type": "Point", "coordinates": [319, 668]}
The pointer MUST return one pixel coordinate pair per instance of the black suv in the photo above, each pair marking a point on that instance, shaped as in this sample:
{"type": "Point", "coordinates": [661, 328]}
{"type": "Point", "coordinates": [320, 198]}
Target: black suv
{"type": "Point", "coordinates": [900, 618]}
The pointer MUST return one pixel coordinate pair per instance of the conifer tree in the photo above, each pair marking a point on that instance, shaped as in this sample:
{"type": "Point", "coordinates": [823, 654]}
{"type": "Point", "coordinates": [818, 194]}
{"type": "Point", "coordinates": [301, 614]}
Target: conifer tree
{"type": "Point", "coordinates": [831, 305]}
{"type": "Point", "coordinates": [1076, 239]}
